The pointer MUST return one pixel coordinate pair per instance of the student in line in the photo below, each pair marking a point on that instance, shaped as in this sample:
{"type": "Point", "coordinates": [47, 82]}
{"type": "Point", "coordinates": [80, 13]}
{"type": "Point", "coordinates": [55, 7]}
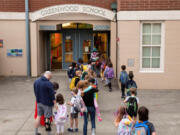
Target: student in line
{"type": "Point", "coordinates": [123, 80]}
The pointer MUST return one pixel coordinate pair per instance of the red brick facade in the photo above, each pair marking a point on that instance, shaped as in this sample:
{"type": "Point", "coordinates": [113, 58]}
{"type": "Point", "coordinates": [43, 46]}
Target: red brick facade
{"type": "Point", "coordinates": [12, 6]}
{"type": "Point", "coordinates": [38, 4]}
{"type": "Point", "coordinates": [148, 5]}
{"type": "Point", "coordinates": [18, 5]}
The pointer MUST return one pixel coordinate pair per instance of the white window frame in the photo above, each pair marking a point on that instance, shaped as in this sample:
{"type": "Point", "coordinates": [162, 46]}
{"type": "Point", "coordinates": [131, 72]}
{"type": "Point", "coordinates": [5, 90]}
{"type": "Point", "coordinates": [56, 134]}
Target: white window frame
{"type": "Point", "coordinates": [153, 70]}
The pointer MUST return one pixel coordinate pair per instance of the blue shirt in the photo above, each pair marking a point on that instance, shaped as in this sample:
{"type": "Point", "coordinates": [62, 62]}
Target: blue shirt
{"type": "Point", "coordinates": [44, 92]}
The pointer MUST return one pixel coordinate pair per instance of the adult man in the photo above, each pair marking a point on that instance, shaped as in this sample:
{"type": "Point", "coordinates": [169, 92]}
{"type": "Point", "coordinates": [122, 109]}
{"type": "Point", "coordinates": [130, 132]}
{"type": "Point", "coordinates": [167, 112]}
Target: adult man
{"type": "Point", "coordinates": [44, 92]}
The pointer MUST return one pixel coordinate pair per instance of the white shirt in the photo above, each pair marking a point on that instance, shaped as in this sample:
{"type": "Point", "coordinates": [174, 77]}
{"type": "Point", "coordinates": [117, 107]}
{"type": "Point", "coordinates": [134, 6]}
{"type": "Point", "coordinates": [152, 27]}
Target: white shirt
{"type": "Point", "coordinates": [73, 99]}
{"type": "Point", "coordinates": [127, 98]}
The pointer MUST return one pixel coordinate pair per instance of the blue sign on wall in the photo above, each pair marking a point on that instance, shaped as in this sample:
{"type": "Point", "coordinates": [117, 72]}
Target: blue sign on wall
{"type": "Point", "coordinates": [14, 52]}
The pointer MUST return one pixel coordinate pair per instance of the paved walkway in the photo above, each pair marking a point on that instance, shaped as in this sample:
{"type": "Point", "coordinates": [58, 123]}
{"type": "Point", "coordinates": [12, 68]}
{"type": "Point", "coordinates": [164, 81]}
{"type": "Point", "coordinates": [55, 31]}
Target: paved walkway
{"type": "Point", "coordinates": [17, 107]}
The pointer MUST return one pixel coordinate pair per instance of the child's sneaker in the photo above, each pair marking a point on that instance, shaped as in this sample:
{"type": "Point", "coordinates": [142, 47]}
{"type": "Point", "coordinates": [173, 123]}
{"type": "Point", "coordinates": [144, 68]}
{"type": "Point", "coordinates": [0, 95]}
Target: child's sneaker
{"type": "Point", "coordinates": [99, 118]}
{"type": "Point", "coordinates": [70, 129]}
{"type": "Point", "coordinates": [76, 129]}
{"type": "Point", "coordinates": [93, 131]}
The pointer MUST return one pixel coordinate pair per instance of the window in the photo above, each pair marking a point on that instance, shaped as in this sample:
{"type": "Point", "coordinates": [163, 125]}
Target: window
{"type": "Point", "coordinates": [152, 47]}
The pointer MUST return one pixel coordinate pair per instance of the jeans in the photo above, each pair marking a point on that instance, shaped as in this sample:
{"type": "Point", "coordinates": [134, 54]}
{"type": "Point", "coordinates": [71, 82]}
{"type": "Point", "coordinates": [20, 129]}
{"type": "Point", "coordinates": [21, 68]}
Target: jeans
{"type": "Point", "coordinates": [123, 86]}
{"type": "Point", "coordinates": [109, 80]}
{"type": "Point", "coordinates": [90, 110]}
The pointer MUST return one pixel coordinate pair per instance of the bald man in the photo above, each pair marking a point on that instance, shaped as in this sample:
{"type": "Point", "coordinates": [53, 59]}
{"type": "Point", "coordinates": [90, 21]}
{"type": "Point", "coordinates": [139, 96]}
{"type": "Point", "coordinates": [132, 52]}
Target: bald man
{"type": "Point", "coordinates": [44, 93]}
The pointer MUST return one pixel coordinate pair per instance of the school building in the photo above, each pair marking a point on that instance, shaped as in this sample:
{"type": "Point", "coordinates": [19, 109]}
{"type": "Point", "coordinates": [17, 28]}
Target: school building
{"type": "Point", "coordinates": [38, 35]}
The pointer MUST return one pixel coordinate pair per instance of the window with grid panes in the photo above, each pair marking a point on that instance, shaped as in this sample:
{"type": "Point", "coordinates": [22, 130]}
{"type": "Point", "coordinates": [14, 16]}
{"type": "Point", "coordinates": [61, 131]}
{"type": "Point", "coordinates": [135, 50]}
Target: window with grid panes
{"type": "Point", "coordinates": [151, 46]}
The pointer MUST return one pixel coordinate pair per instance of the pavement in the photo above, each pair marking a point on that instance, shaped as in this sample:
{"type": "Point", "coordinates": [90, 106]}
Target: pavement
{"type": "Point", "coordinates": [17, 103]}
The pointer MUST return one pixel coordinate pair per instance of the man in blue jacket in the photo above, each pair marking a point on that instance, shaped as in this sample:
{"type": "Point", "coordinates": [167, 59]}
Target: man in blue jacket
{"type": "Point", "coordinates": [44, 93]}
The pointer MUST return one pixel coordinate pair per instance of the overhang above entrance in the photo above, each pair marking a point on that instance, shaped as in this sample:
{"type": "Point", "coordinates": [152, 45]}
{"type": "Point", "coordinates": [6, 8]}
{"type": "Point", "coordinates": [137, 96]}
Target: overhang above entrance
{"type": "Point", "coordinates": [73, 8]}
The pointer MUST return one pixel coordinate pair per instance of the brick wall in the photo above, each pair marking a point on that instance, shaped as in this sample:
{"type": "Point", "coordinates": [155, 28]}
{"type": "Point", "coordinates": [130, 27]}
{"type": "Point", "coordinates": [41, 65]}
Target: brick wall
{"type": "Point", "coordinates": [12, 6]}
{"type": "Point", "coordinates": [38, 4]}
{"type": "Point", "coordinates": [18, 5]}
{"type": "Point", "coordinates": [148, 4]}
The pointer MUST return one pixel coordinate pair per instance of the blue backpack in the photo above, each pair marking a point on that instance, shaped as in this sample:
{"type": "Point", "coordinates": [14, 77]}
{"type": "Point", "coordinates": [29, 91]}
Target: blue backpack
{"type": "Point", "coordinates": [141, 129]}
{"type": "Point", "coordinates": [123, 77]}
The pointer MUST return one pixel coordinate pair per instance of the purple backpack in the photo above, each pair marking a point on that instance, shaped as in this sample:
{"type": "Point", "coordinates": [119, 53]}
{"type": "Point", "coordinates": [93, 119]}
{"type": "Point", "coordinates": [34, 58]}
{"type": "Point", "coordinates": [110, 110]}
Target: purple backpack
{"type": "Point", "coordinates": [110, 73]}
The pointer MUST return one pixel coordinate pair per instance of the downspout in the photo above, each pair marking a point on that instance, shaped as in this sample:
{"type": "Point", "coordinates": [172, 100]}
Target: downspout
{"type": "Point", "coordinates": [28, 55]}
{"type": "Point", "coordinates": [114, 8]}
{"type": "Point", "coordinates": [117, 40]}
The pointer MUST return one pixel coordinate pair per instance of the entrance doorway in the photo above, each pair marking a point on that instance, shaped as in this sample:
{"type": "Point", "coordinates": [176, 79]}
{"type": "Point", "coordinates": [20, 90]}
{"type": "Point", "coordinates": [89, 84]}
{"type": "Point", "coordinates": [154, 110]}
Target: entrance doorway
{"type": "Point", "coordinates": [56, 50]}
{"type": "Point", "coordinates": [74, 41]}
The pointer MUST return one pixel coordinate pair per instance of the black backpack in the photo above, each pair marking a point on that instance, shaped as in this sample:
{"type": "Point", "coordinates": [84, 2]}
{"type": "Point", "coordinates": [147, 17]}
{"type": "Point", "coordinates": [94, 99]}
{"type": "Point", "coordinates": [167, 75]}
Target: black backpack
{"type": "Point", "coordinates": [132, 106]}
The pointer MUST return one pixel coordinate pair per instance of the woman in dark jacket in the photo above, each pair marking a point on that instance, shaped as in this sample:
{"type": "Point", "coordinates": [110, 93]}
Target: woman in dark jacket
{"type": "Point", "coordinates": [88, 98]}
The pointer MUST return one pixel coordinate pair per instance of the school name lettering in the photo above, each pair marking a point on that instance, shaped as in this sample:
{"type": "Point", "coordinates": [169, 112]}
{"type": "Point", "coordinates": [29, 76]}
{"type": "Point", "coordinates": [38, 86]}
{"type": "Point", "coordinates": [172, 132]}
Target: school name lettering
{"type": "Point", "coordinates": [68, 9]}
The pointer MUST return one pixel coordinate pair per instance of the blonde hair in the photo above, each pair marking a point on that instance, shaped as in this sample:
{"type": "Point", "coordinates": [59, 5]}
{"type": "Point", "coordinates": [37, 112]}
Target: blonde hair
{"type": "Point", "coordinates": [82, 84]}
{"type": "Point", "coordinates": [78, 73]}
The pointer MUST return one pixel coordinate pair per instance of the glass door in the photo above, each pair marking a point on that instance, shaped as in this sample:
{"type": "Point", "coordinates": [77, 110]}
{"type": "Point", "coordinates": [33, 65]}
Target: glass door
{"type": "Point", "coordinates": [56, 50]}
{"type": "Point", "coordinates": [101, 43]}
{"type": "Point", "coordinates": [86, 50]}
{"type": "Point", "coordinates": [85, 44]}
{"type": "Point", "coordinates": [68, 50]}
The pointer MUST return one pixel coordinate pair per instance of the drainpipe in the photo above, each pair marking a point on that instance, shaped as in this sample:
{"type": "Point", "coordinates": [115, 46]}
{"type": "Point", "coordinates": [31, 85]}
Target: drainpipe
{"type": "Point", "coordinates": [114, 9]}
{"type": "Point", "coordinates": [28, 55]}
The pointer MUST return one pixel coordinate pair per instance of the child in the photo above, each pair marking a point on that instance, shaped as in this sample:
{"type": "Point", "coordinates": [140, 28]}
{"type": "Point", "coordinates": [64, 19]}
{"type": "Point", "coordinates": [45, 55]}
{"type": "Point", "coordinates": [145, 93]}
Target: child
{"type": "Point", "coordinates": [123, 121]}
{"type": "Point", "coordinates": [130, 83]}
{"type": "Point", "coordinates": [89, 64]}
{"type": "Point", "coordinates": [75, 80]}
{"type": "Point", "coordinates": [71, 71]}
{"type": "Point", "coordinates": [123, 79]}
{"type": "Point", "coordinates": [61, 115]}
{"type": "Point", "coordinates": [109, 74]}
{"type": "Point", "coordinates": [132, 103]}
{"type": "Point", "coordinates": [92, 74]}
{"type": "Point", "coordinates": [92, 85]}
{"type": "Point", "coordinates": [75, 104]}
{"type": "Point", "coordinates": [55, 86]}
{"type": "Point", "coordinates": [80, 64]}
{"type": "Point", "coordinates": [103, 66]}
{"type": "Point", "coordinates": [88, 99]}
{"type": "Point", "coordinates": [143, 124]}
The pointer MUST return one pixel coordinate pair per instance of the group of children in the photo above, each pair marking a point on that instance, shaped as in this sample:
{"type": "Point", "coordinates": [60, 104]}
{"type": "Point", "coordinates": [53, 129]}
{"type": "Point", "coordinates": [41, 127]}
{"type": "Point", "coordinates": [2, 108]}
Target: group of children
{"type": "Point", "coordinates": [126, 116]}
{"type": "Point", "coordinates": [83, 87]}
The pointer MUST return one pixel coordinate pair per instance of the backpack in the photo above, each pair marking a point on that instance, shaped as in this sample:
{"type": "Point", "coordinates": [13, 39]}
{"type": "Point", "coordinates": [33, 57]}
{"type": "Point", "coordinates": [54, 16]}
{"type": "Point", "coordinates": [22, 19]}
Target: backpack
{"type": "Point", "coordinates": [71, 72]}
{"type": "Point", "coordinates": [72, 84]}
{"type": "Point", "coordinates": [84, 75]}
{"type": "Point", "coordinates": [125, 126]}
{"type": "Point", "coordinates": [123, 77]}
{"type": "Point", "coordinates": [130, 84]}
{"type": "Point", "coordinates": [61, 115]}
{"type": "Point", "coordinates": [77, 105]}
{"type": "Point", "coordinates": [110, 73]}
{"type": "Point", "coordinates": [141, 129]}
{"type": "Point", "coordinates": [132, 106]}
